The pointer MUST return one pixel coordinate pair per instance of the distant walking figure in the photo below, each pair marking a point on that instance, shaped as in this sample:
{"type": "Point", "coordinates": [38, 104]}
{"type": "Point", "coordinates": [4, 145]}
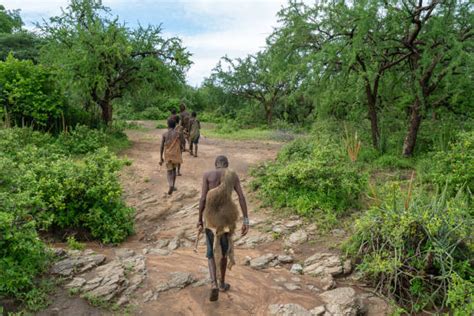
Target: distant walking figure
{"type": "Point", "coordinates": [171, 146]}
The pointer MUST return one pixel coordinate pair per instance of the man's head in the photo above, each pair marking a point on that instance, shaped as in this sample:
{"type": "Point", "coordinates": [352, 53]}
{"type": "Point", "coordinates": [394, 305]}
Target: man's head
{"type": "Point", "coordinates": [194, 114]}
{"type": "Point", "coordinates": [182, 107]}
{"type": "Point", "coordinates": [222, 162]}
{"type": "Point", "coordinates": [171, 123]}
{"type": "Point", "coordinates": [173, 111]}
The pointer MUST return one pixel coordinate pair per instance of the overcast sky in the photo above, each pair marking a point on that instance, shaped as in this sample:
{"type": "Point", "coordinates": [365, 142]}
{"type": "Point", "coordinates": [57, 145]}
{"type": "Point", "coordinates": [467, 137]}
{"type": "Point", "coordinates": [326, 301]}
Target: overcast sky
{"type": "Point", "coordinates": [209, 29]}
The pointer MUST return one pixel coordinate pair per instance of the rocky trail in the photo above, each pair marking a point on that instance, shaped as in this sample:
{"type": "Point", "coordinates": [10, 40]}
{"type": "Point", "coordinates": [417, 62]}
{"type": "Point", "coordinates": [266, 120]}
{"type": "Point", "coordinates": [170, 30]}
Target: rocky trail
{"type": "Point", "coordinates": [284, 267]}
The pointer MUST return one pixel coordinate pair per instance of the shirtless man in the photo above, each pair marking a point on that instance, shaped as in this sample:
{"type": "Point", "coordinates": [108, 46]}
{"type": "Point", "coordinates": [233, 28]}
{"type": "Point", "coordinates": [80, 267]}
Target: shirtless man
{"type": "Point", "coordinates": [171, 146]}
{"type": "Point", "coordinates": [174, 116]}
{"type": "Point", "coordinates": [194, 134]}
{"type": "Point", "coordinates": [220, 214]}
{"type": "Point", "coordinates": [184, 117]}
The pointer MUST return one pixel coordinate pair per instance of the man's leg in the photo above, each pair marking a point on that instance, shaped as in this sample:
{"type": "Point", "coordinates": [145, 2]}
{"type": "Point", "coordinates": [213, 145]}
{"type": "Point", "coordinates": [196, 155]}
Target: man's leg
{"type": "Point", "coordinates": [169, 176]}
{"type": "Point", "coordinates": [191, 148]}
{"type": "Point", "coordinates": [223, 264]}
{"type": "Point", "coordinates": [174, 177]}
{"type": "Point", "coordinates": [196, 154]}
{"type": "Point", "coordinates": [179, 169]}
{"type": "Point", "coordinates": [212, 265]}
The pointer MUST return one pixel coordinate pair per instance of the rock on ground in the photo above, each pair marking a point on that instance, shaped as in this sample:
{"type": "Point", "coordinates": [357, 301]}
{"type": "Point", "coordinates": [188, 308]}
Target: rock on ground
{"type": "Point", "coordinates": [178, 280]}
{"type": "Point", "coordinates": [262, 261]}
{"type": "Point", "coordinates": [77, 262]}
{"type": "Point", "coordinates": [341, 302]}
{"type": "Point", "coordinates": [288, 310]}
{"type": "Point", "coordinates": [296, 238]}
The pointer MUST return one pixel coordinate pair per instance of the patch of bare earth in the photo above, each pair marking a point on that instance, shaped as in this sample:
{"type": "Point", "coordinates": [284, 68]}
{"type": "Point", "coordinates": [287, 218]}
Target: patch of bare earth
{"type": "Point", "coordinates": [299, 273]}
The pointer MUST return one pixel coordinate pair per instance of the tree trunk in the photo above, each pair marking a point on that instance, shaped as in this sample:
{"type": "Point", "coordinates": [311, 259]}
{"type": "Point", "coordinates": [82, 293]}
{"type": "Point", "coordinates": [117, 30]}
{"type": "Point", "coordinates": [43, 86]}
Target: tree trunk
{"type": "Point", "coordinates": [413, 127]}
{"type": "Point", "coordinates": [374, 126]}
{"type": "Point", "coordinates": [106, 107]}
{"type": "Point", "coordinates": [269, 113]}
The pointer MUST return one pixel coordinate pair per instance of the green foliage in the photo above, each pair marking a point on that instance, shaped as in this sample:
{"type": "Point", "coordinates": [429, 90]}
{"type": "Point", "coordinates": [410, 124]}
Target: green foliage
{"type": "Point", "coordinates": [313, 178]}
{"type": "Point", "coordinates": [455, 166]}
{"type": "Point", "coordinates": [28, 92]}
{"type": "Point", "coordinates": [461, 295]}
{"type": "Point", "coordinates": [414, 246]}
{"type": "Point", "coordinates": [10, 21]}
{"type": "Point", "coordinates": [101, 60]}
{"type": "Point", "coordinates": [22, 254]}
{"type": "Point", "coordinates": [72, 243]}
{"type": "Point", "coordinates": [61, 192]}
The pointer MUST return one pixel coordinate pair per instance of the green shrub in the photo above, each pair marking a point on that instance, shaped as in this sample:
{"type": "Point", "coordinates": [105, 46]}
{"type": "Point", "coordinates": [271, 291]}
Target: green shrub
{"type": "Point", "coordinates": [410, 245]}
{"type": "Point", "coordinates": [81, 140]}
{"type": "Point", "coordinates": [61, 191]}
{"type": "Point", "coordinates": [393, 162]}
{"type": "Point", "coordinates": [454, 167]}
{"type": "Point", "coordinates": [22, 254]}
{"type": "Point", "coordinates": [313, 179]}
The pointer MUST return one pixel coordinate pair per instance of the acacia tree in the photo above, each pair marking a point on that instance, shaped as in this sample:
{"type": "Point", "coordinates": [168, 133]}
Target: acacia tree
{"type": "Point", "coordinates": [438, 39]}
{"type": "Point", "coordinates": [100, 59]}
{"type": "Point", "coordinates": [264, 77]}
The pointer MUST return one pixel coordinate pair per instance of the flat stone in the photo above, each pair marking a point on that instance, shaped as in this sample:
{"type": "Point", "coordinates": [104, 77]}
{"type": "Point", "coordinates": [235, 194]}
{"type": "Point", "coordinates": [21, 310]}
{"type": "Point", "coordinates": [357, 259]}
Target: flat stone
{"type": "Point", "coordinates": [314, 269]}
{"type": "Point", "coordinates": [327, 282]}
{"type": "Point", "coordinates": [123, 253]}
{"type": "Point", "coordinates": [292, 286]}
{"type": "Point", "coordinates": [296, 279]}
{"type": "Point", "coordinates": [296, 268]}
{"type": "Point", "coordinates": [318, 311]}
{"type": "Point", "coordinates": [174, 244]}
{"type": "Point", "coordinates": [149, 296]}
{"type": "Point", "coordinates": [77, 262]}
{"type": "Point", "coordinates": [162, 243]}
{"type": "Point", "coordinates": [178, 280]}
{"type": "Point", "coordinates": [262, 261]}
{"type": "Point", "coordinates": [288, 310]}
{"type": "Point", "coordinates": [76, 283]}
{"type": "Point", "coordinates": [293, 224]}
{"type": "Point", "coordinates": [159, 252]}
{"type": "Point", "coordinates": [298, 237]}
{"type": "Point", "coordinates": [285, 258]}
{"type": "Point", "coordinates": [341, 301]}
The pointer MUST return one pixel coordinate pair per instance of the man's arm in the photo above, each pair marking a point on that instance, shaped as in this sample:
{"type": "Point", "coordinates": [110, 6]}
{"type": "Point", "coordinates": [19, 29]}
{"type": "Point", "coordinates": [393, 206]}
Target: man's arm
{"type": "Point", "coordinates": [243, 206]}
{"type": "Point", "coordinates": [202, 201]}
{"type": "Point", "coordinates": [162, 149]}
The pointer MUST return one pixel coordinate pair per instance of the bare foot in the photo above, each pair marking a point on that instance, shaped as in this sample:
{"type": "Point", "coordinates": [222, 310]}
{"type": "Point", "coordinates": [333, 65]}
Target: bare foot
{"type": "Point", "coordinates": [214, 294]}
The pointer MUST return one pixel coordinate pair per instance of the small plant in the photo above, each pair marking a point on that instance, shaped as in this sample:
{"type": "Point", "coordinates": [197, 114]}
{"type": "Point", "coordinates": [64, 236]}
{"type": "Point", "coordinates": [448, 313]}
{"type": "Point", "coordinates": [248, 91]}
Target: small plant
{"type": "Point", "coordinates": [416, 247]}
{"type": "Point", "coordinates": [352, 144]}
{"type": "Point", "coordinates": [72, 243]}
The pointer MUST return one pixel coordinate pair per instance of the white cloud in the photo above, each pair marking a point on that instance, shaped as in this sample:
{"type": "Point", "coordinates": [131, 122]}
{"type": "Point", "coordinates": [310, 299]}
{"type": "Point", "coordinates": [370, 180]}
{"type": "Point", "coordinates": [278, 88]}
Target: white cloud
{"type": "Point", "coordinates": [229, 27]}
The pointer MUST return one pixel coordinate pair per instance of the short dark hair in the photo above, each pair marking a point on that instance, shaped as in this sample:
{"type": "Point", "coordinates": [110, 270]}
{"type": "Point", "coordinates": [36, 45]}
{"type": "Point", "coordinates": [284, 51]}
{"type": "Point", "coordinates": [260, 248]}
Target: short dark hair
{"type": "Point", "coordinates": [182, 106]}
{"type": "Point", "coordinates": [171, 123]}
{"type": "Point", "coordinates": [173, 111]}
{"type": "Point", "coordinates": [194, 114]}
{"type": "Point", "coordinates": [222, 161]}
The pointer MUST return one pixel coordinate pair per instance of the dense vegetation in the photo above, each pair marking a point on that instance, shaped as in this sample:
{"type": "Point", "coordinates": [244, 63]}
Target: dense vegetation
{"type": "Point", "coordinates": [381, 92]}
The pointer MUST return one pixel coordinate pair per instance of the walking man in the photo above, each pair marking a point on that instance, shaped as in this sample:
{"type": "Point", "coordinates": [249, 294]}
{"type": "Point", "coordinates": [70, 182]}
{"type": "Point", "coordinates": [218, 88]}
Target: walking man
{"type": "Point", "coordinates": [171, 146]}
{"type": "Point", "coordinates": [218, 216]}
{"type": "Point", "coordinates": [194, 134]}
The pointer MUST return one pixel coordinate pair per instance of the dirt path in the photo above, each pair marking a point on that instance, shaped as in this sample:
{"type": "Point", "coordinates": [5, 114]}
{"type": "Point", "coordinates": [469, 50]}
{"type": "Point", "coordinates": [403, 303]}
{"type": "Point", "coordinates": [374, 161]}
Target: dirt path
{"type": "Point", "coordinates": [165, 235]}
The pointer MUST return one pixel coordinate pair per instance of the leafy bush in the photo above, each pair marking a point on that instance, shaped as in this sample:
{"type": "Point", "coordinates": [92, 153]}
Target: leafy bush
{"type": "Point", "coordinates": [60, 191]}
{"type": "Point", "coordinates": [393, 162]}
{"type": "Point", "coordinates": [454, 167]}
{"type": "Point", "coordinates": [311, 178]}
{"type": "Point", "coordinates": [22, 254]}
{"type": "Point", "coordinates": [81, 140]}
{"type": "Point", "coordinates": [28, 93]}
{"type": "Point", "coordinates": [415, 247]}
